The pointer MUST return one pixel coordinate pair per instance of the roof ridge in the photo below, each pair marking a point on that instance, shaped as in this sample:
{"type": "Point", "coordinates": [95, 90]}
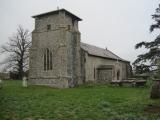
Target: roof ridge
{"type": "Point", "coordinates": [93, 45]}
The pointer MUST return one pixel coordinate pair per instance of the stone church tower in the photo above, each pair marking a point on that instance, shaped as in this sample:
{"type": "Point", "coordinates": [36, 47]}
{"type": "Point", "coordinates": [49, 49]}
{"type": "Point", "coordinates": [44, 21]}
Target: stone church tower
{"type": "Point", "coordinates": [55, 52]}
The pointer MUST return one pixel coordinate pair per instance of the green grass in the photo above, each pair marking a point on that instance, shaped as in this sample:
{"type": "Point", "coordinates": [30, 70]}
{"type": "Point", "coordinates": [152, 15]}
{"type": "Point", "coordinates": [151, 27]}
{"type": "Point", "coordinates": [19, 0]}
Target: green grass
{"type": "Point", "coordinates": [88, 102]}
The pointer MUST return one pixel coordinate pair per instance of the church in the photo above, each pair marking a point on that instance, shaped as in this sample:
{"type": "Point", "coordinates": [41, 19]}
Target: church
{"type": "Point", "coordinates": [59, 59]}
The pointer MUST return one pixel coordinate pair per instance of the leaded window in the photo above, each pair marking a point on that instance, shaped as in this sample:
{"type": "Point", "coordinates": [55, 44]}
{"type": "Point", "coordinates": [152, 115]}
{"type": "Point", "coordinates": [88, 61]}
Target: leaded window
{"type": "Point", "coordinates": [48, 60]}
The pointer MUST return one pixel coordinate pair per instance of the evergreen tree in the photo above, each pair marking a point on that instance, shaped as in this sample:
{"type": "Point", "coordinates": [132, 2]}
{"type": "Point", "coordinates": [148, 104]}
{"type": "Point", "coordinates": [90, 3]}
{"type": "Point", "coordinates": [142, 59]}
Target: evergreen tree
{"type": "Point", "coordinates": [153, 55]}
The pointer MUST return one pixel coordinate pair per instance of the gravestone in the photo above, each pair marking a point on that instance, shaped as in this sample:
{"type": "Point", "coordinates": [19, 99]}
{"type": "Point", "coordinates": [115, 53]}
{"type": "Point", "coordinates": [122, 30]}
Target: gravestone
{"type": "Point", "coordinates": [155, 91]}
{"type": "Point", "coordinates": [24, 82]}
{"type": "Point", "coordinates": [1, 83]}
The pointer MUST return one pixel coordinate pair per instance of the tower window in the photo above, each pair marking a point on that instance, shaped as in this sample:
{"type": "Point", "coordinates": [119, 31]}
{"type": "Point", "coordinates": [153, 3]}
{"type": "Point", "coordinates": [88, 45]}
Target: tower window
{"type": "Point", "coordinates": [47, 60]}
{"type": "Point", "coordinates": [49, 27]}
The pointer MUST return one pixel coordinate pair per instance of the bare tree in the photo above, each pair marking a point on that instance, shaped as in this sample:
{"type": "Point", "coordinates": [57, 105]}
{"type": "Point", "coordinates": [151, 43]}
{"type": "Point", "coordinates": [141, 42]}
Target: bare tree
{"type": "Point", "coordinates": [17, 50]}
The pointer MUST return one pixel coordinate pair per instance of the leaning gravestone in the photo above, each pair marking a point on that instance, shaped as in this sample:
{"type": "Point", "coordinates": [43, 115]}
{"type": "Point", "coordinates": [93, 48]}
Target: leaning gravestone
{"type": "Point", "coordinates": [24, 82]}
{"type": "Point", "coordinates": [155, 91]}
{"type": "Point", "coordinates": [1, 83]}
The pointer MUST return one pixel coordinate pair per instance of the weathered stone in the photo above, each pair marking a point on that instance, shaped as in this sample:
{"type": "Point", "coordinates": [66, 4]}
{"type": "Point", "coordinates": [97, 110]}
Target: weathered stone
{"type": "Point", "coordinates": [24, 81]}
{"type": "Point", "coordinates": [59, 59]}
{"type": "Point", "coordinates": [155, 91]}
{"type": "Point", "coordinates": [59, 34]}
{"type": "Point", "coordinates": [1, 84]}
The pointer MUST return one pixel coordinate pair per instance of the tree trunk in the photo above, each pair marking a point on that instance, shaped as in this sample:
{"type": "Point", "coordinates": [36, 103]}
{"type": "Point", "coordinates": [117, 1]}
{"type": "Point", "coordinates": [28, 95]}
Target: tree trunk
{"type": "Point", "coordinates": [20, 71]}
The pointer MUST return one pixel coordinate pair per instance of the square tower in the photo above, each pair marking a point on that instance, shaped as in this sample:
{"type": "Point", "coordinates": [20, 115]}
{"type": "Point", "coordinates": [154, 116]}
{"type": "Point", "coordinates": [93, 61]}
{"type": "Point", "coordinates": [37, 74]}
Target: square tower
{"type": "Point", "coordinates": [55, 53]}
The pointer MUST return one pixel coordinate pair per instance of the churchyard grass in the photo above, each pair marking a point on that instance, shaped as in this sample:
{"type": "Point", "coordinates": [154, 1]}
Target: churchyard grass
{"type": "Point", "coordinates": [87, 102]}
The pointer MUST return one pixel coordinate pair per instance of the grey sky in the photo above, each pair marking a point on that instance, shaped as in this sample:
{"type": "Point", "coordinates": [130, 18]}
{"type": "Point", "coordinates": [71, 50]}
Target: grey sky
{"type": "Point", "coordinates": [115, 24]}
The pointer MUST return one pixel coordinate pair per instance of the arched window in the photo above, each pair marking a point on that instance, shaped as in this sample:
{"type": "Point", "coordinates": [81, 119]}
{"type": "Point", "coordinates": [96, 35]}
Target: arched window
{"type": "Point", "coordinates": [47, 60]}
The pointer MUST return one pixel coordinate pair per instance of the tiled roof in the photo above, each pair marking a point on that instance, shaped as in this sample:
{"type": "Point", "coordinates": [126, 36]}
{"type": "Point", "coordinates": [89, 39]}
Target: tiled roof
{"type": "Point", "coordinates": [100, 52]}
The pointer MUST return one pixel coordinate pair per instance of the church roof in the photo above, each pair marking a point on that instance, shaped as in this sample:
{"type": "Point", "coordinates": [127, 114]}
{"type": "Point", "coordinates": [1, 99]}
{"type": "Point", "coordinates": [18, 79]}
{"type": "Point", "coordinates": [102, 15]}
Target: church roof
{"type": "Point", "coordinates": [100, 52]}
{"type": "Point", "coordinates": [56, 12]}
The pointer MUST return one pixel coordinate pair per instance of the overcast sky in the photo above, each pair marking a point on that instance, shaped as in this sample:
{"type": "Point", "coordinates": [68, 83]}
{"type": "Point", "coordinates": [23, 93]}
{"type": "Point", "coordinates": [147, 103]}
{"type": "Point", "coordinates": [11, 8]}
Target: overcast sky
{"type": "Point", "coordinates": [115, 24]}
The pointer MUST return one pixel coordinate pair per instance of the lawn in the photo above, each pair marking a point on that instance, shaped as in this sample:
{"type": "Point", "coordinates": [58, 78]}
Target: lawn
{"type": "Point", "coordinates": [88, 102]}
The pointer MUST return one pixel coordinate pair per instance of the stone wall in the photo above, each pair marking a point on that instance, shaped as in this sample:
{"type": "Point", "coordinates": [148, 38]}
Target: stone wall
{"type": "Point", "coordinates": [63, 40]}
{"type": "Point", "coordinates": [71, 65]}
{"type": "Point", "coordinates": [83, 63]}
{"type": "Point", "coordinates": [92, 63]}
